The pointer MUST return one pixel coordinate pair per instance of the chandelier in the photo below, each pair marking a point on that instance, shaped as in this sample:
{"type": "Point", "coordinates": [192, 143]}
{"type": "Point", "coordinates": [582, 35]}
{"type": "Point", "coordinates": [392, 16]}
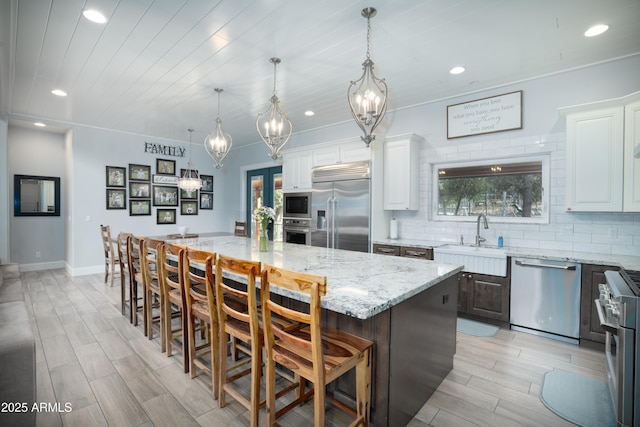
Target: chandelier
{"type": "Point", "coordinates": [273, 126]}
{"type": "Point", "coordinates": [218, 143]}
{"type": "Point", "coordinates": [368, 95]}
{"type": "Point", "coordinates": [190, 181]}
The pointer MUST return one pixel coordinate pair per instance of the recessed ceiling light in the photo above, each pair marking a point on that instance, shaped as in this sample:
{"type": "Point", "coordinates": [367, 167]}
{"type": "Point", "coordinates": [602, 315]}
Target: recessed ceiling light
{"type": "Point", "coordinates": [39, 124]}
{"type": "Point", "coordinates": [309, 113]}
{"type": "Point", "coordinates": [596, 30]}
{"type": "Point", "coordinates": [94, 16]}
{"type": "Point", "coordinates": [59, 92]}
{"type": "Point", "coordinates": [456, 70]}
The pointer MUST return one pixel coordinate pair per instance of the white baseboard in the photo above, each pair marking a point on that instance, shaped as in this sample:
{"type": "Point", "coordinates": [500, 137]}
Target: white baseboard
{"type": "Point", "coordinates": [42, 266]}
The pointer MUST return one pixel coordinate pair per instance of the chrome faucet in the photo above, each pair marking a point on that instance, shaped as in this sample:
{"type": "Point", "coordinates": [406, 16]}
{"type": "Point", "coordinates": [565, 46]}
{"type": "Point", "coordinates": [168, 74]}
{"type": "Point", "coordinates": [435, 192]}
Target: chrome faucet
{"type": "Point", "coordinates": [486, 225]}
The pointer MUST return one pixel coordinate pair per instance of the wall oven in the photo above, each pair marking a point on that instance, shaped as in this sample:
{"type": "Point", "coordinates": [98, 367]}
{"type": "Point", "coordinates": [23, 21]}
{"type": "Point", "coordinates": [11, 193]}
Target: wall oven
{"type": "Point", "coordinates": [297, 231]}
{"type": "Point", "coordinates": [619, 310]}
{"type": "Point", "coordinates": [297, 205]}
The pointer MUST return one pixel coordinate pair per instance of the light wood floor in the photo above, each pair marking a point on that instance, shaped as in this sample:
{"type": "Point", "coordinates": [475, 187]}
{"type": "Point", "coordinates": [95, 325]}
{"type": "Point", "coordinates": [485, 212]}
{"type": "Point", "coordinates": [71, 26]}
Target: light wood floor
{"type": "Point", "coordinates": [90, 356]}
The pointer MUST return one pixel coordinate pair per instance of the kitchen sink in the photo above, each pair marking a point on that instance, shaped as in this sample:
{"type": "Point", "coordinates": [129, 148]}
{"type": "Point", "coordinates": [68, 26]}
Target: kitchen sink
{"type": "Point", "coordinates": [480, 260]}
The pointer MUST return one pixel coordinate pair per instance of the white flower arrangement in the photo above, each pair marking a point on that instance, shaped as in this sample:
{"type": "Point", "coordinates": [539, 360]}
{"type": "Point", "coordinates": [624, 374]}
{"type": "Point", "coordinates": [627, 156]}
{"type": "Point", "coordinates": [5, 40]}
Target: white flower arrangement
{"type": "Point", "coordinates": [264, 213]}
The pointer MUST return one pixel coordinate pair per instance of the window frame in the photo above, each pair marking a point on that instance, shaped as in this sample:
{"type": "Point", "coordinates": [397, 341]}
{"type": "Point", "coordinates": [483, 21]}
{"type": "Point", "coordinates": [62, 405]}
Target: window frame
{"type": "Point", "coordinates": [546, 179]}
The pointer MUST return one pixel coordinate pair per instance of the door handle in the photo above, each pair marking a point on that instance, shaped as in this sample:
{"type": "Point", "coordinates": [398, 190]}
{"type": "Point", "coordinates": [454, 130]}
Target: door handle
{"type": "Point", "coordinates": [612, 329]}
{"type": "Point", "coordinates": [558, 267]}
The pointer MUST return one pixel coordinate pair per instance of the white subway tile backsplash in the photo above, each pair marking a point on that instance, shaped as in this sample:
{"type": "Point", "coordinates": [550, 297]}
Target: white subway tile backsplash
{"type": "Point", "coordinates": [583, 232]}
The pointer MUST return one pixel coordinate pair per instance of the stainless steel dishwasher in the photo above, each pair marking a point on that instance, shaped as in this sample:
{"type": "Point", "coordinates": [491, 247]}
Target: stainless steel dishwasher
{"type": "Point", "coordinates": [545, 298]}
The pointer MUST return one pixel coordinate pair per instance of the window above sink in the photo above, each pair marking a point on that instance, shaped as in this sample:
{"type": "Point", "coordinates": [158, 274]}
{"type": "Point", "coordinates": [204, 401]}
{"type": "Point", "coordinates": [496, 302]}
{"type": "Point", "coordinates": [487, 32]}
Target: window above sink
{"type": "Point", "coordinates": [506, 190]}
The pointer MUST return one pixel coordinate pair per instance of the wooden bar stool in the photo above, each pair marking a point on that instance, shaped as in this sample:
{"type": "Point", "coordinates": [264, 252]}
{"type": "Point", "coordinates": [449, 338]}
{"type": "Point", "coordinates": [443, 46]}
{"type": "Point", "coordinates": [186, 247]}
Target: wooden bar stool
{"type": "Point", "coordinates": [110, 255]}
{"type": "Point", "coordinates": [240, 321]}
{"type": "Point", "coordinates": [172, 259]}
{"type": "Point", "coordinates": [201, 306]}
{"type": "Point", "coordinates": [122, 242]}
{"type": "Point", "coordinates": [240, 229]}
{"type": "Point", "coordinates": [320, 355]}
{"type": "Point", "coordinates": [150, 250]}
{"type": "Point", "coordinates": [136, 286]}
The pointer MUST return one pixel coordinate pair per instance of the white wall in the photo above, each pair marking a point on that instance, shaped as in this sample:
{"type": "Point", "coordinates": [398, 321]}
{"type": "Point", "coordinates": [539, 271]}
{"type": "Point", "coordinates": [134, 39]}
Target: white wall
{"type": "Point", "coordinates": [4, 193]}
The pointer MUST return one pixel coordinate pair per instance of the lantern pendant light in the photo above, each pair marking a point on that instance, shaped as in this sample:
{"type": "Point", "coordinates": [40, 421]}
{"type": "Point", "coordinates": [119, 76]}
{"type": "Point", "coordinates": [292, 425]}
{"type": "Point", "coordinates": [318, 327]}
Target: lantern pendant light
{"type": "Point", "coordinates": [190, 181]}
{"type": "Point", "coordinates": [368, 95]}
{"type": "Point", "coordinates": [273, 126]}
{"type": "Point", "coordinates": [218, 143]}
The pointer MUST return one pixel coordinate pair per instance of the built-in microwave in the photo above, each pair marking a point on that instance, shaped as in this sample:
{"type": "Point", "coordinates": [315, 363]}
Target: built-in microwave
{"type": "Point", "coordinates": [297, 205]}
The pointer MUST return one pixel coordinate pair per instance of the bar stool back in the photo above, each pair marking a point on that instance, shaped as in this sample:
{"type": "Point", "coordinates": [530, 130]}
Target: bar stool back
{"type": "Point", "coordinates": [150, 251]}
{"type": "Point", "coordinates": [110, 255]}
{"type": "Point", "coordinates": [172, 278]}
{"type": "Point", "coordinates": [122, 242]}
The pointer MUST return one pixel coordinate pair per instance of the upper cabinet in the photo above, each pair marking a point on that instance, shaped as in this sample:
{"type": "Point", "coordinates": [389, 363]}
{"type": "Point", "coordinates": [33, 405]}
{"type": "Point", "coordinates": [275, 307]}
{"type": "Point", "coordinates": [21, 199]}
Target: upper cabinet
{"type": "Point", "coordinates": [346, 152]}
{"type": "Point", "coordinates": [603, 174]}
{"type": "Point", "coordinates": [401, 165]}
{"type": "Point", "coordinates": [296, 171]}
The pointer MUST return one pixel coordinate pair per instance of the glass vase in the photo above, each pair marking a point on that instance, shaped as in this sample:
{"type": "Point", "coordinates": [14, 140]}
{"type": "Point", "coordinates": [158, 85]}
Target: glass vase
{"type": "Point", "coordinates": [264, 238]}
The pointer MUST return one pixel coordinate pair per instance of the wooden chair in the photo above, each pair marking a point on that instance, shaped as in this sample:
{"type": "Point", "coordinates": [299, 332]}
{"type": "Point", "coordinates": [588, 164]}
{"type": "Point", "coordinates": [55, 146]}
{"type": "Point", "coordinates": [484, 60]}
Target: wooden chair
{"type": "Point", "coordinates": [240, 229]}
{"type": "Point", "coordinates": [123, 260]}
{"type": "Point", "coordinates": [110, 255]}
{"type": "Point", "coordinates": [201, 306]}
{"type": "Point", "coordinates": [243, 326]}
{"type": "Point", "coordinates": [153, 297]}
{"type": "Point", "coordinates": [172, 258]}
{"type": "Point", "coordinates": [136, 285]}
{"type": "Point", "coordinates": [320, 355]}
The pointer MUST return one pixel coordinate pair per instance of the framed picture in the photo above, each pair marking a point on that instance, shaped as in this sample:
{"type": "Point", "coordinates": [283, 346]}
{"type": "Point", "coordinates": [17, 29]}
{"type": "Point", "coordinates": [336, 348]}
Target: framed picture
{"type": "Point", "coordinates": [165, 216]}
{"type": "Point", "coordinates": [139, 190]}
{"type": "Point", "coordinates": [116, 176]}
{"type": "Point", "coordinates": [194, 173]}
{"type": "Point", "coordinates": [139, 172]}
{"type": "Point", "coordinates": [487, 115]}
{"type": "Point", "coordinates": [207, 183]}
{"type": "Point", "coordinates": [191, 195]}
{"type": "Point", "coordinates": [165, 196]}
{"type": "Point", "coordinates": [165, 167]}
{"type": "Point", "coordinates": [139, 207]}
{"type": "Point", "coordinates": [166, 179]}
{"type": "Point", "coordinates": [189, 207]}
{"type": "Point", "coordinates": [116, 198]}
{"type": "Point", "coordinates": [206, 201]}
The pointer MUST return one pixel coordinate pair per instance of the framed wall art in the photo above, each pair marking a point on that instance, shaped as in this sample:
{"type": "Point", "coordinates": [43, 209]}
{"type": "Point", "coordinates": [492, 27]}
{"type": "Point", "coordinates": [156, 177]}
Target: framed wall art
{"type": "Point", "coordinates": [207, 183]}
{"type": "Point", "coordinates": [166, 179]}
{"type": "Point", "coordinates": [139, 190]}
{"type": "Point", "coordinates": [206, 201]}
{"type": "Point", "coordinates": [487, 115]}
{"type": "Point", "coordinates": [165, 216]}
{"type": "Point", "coordinates": [116, 176]}
{"type": "Point", "coordinates": [188, 195]}
{"type": "Point", "coordinates": [165, 196]}
{"type": "Point", "coordinates": [139, 207]}
{"type": "Point", "coordinates": [194, 173]}
{"type": "Point", "coordinates": [189, 207]}
{"type": "Point", "coordinates": [116, 198]}
{"type": "Point", "coordinates": [139, 172]}
{"type": "Point", "coordinates": [165, 167]}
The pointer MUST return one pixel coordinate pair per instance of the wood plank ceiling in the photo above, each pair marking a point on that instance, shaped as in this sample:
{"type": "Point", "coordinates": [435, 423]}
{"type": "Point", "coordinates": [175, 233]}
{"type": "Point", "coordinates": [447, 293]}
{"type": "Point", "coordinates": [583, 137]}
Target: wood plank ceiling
{"type": "Point", "coordinates": [151, 69]}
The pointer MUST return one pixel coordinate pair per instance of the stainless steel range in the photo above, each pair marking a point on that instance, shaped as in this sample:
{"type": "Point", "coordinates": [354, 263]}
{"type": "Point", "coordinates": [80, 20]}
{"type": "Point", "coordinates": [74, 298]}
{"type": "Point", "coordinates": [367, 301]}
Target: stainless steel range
{"type": "Point", "coordinates": [619, 312]}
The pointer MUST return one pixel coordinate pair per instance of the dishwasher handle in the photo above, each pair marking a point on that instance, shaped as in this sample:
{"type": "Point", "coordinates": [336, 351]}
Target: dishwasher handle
{"type": "Point", "coordinates": [559, 267]}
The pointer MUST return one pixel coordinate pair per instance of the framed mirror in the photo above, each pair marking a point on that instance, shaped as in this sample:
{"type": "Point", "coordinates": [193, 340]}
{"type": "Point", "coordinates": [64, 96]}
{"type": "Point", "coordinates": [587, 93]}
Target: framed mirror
{"type": "Point", "coordinates": [36, 195]}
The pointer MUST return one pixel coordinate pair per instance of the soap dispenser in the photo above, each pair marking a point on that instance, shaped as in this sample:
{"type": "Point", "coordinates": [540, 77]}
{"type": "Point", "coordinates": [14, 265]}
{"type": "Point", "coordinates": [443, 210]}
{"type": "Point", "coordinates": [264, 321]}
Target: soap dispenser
{"type": "Point", "coordinates": [500, 242]}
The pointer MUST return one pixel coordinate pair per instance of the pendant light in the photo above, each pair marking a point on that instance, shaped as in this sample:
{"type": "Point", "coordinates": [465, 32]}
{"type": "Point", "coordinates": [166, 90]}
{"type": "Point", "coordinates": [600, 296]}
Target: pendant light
{"type": "Point", "coordinates": [190, 180]}
{"type": "Point", "coordinates": [218, 143]}
{"type": "Point", "coordinates": [368, 95]}
{"type": "Point", "coordinates": [273, 126]}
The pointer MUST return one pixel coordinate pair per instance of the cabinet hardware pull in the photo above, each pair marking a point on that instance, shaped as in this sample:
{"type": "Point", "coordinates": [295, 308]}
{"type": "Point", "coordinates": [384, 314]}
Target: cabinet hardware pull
{"type": "Point", "coordinates": [559, 267]}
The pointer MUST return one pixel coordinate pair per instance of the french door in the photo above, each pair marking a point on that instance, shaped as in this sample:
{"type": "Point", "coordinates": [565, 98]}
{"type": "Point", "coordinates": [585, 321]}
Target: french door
{"type": "Point", "coordinates": [264, 188]}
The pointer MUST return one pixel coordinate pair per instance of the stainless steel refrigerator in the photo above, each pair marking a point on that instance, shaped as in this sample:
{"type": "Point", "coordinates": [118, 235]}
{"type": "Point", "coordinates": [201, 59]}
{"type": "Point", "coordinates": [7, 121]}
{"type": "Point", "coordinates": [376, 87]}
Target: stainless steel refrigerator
{"type": "Point", "coordinates": [341, 206]}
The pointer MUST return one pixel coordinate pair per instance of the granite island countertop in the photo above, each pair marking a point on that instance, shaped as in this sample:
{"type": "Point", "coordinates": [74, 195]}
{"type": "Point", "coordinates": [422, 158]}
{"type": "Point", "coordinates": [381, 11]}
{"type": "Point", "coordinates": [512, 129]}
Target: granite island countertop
{"type": "Point", "coordinates": [359, 284]}
{"type": "Point", "coordinates": [628, 262]}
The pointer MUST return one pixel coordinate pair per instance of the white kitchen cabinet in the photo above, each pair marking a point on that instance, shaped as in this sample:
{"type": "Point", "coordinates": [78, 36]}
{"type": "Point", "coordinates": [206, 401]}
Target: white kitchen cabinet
{"type": "Point", "coordinates": [603, 174]}
{"type": "Point", "coordinates": [631, 201]}
{"type": "Point", "coordinates": [595, 143]}
{"type": "Point", "coordinates": [345, 152]}
{"type": "Point", "coordinates": [401, 181]}
{"type": "Point", "coordinates": [296, 170]}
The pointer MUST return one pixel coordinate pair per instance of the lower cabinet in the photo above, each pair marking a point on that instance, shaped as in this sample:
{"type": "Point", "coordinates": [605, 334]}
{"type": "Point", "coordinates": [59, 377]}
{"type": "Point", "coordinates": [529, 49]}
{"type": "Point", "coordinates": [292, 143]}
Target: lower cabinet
{"type": "Point", "coordinates": [592, 276]}
{"type": "Point", "coordinates": [484, 295]}
{"type": "Point", "coordinates": [403, 251]}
